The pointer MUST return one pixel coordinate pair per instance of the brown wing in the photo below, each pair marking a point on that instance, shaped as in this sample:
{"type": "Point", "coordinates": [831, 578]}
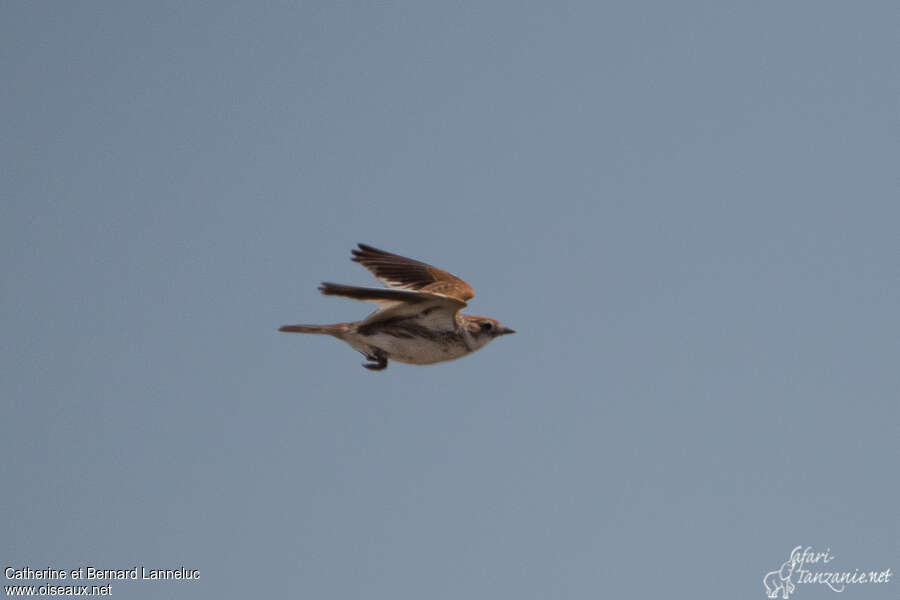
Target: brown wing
{"type": "Point", "coordinates": [434, 310]}
{"type": "Point", "coordinates": [408, 274]}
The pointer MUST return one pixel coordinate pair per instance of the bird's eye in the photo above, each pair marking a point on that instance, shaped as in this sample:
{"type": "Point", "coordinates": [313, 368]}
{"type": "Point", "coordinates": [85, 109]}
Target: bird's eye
{"type": "Point", "coordinates": [487, 326]}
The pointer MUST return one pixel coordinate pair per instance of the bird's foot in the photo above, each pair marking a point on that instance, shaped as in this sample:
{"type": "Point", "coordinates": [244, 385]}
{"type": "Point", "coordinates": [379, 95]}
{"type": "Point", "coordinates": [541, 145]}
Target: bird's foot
{"type": "Point", "coordinates": [378, 361]}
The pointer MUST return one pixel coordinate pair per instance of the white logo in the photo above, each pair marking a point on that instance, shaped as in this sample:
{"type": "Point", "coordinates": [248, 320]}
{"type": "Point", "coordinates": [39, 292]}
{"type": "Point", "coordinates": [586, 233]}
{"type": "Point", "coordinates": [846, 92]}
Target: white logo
{"type": "Point", "coordinates": [805, 565]}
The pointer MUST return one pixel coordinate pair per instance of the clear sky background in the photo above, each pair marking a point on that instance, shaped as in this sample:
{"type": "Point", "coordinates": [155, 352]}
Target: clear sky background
{"type": "Point", "coordinates": [687, 210]}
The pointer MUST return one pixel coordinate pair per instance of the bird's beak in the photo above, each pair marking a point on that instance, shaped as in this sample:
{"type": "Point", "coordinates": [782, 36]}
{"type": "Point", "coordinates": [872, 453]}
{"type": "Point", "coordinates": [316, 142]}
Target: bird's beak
{"type": "Point", "coordinates": [506, 330]}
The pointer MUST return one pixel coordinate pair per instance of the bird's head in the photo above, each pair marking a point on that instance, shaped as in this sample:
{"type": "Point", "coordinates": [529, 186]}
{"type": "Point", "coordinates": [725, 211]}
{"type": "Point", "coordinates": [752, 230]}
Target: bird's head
{"type": "Point", "coordinates": [484, 329]}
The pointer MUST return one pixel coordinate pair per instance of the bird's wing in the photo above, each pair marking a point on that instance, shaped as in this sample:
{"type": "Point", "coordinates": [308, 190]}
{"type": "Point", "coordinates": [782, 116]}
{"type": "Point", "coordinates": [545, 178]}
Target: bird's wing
{"type": "Point", "coordinates": [432, 309]}
{"type": "Point", "coordinates": [408, 274]}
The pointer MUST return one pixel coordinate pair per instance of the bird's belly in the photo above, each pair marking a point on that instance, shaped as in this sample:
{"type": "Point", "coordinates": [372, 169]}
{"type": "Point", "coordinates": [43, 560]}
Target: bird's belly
{"type": "Point", "coordinates": [417, 351]}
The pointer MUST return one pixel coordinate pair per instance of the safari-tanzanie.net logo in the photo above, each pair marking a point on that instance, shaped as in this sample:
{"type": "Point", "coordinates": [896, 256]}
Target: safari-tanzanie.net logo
{"type": "Point", "coordinates": [806, 566]}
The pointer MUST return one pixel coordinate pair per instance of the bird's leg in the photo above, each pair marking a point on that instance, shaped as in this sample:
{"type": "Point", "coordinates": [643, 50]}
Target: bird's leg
{"type": "Point", "coordinates": [378, 362]}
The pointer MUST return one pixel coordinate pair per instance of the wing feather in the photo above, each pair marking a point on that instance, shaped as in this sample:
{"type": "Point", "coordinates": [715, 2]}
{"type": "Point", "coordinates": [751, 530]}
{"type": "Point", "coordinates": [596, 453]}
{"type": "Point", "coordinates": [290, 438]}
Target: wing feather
{"type": "Point", "coordinates": [441, 310]}
{"type": "Point", "coordinates": [406, 273]}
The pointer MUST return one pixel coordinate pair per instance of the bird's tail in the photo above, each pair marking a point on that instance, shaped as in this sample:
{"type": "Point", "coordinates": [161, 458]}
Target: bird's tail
{"type": "Point", "coordinates": [336, 329]}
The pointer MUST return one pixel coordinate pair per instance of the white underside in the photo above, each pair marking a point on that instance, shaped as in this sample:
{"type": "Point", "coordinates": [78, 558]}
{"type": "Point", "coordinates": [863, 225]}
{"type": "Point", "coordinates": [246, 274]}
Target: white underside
{"type": "Point", "coordinates": [414, 351]}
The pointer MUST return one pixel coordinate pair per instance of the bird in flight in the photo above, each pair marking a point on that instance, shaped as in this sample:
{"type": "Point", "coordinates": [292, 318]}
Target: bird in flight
{"type": "Point", "coordinates": [417, 321]}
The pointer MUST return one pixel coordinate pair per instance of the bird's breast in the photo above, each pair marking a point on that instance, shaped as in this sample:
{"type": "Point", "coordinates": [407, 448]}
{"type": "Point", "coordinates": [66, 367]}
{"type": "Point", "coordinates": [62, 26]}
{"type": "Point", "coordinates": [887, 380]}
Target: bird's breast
{"type": "Point", "coordinates": [409, 342]}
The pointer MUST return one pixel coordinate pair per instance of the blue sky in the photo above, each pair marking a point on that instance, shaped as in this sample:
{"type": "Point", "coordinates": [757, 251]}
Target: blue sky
{"type": "Point", "coordinates": [687, 211]}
